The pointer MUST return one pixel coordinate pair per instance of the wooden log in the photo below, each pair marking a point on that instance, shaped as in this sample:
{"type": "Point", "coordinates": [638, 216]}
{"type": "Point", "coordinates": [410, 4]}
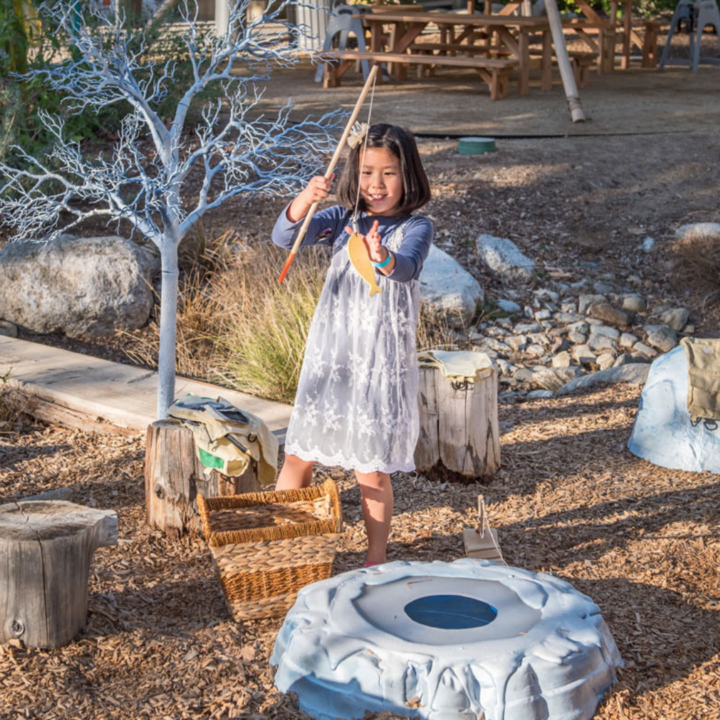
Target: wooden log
{"type": "Point", "coordinates": [174, 476]}
{"type": "Point", "coordinates": [54, 414]}
{"type": "Point", "coordinates": [459, 429]}
{"type": "Point", "coordinates": [46, 547]}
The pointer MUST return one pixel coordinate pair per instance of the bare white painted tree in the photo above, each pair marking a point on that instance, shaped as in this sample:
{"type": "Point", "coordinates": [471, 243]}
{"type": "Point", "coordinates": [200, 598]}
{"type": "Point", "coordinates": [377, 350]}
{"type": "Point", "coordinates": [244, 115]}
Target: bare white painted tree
{"type": "Point", "coordinates": [231, 151]}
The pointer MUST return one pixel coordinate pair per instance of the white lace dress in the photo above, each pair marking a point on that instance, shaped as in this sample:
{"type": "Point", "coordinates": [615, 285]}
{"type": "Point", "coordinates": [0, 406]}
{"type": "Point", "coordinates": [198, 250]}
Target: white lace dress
{"type": "Point", "coordinates": [356, 403]}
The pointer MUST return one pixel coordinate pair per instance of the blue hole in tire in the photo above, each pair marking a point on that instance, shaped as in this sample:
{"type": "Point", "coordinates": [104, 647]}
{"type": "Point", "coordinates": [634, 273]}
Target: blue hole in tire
{"type": "Point", "coordinates": [450, 612]}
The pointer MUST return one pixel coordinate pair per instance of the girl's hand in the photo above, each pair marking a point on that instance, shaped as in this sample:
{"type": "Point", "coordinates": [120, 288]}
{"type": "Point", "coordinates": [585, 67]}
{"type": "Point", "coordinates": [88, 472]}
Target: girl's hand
{"type": "Point", "coordinates": [315, 191]}
{"type": "Point", "coordinates": [376, 250]}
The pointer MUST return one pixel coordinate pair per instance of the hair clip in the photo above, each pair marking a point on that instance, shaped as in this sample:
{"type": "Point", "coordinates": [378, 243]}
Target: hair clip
{"type": "Point", "coordinates": [357, 134]}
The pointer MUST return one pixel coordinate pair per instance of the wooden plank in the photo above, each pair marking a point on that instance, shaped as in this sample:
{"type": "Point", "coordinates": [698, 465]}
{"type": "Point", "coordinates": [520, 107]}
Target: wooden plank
{"type": "Point", "coordinates": [122, 395]}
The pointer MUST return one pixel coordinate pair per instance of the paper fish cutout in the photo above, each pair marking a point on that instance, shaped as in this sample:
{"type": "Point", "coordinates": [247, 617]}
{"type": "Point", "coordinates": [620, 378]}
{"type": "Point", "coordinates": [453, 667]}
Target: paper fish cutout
{"type": "Point", "coordinates": [358, 254]}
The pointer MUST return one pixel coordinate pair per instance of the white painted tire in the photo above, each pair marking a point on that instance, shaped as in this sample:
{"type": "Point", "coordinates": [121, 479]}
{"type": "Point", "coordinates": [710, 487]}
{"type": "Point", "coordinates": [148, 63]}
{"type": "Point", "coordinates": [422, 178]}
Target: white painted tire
{"type": "Point", "coordinates": [348, 646]}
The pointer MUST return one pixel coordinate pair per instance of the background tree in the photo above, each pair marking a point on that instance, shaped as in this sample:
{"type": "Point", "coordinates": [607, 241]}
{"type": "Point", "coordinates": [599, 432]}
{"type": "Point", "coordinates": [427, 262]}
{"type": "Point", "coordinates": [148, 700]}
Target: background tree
{"type": "Point", "coordinates": [232, 150]}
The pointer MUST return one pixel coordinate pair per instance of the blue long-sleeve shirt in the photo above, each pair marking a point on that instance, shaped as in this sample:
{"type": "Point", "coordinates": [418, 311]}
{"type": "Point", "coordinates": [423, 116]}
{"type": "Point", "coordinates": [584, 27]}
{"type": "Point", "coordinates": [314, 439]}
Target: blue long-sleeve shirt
{"type": "Point", "coordinates": [327, 227]}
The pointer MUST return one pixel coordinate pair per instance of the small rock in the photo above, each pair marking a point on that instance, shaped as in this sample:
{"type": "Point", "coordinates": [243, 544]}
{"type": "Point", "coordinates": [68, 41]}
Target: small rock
{"type": "Point", "coordinates": [634, 303]}
{"type": "Point", "coordinates": [698, 230]}
{"type": "Point", "coordinates": [689, 330]}
{"type": "Point", "coordinates": [583, 354]}
{"type": "Point", "coordinates": [524, 328]}
{"type": "Point", "coordinates": [612, 333]}
{"type": "Point", "coordinates": [661, 337]}
{"type": "Point", "coordinates": [627, 340]}
{"type": "Point", "coordinates": [509, 306]}
{"type": "Point", "coordinates": [539, 339]}
{"type": "Point", "coordinates": [540, 394]}
{"type": "Point", "coordinates": [610, 314]}
{"type": "Point", "coordinates": [497, 345]}
{"type": "Point", "coordinates": [543, 315]}
{"type": "Point", "coordinates": [581, 327]}
{"type": "Point", "coordinates": [562, 359]}
{"type": "Point", "coordinates": [523, 375]}
{"type": "Point", "coordinates": [605, 361]}
{"type": "Point", "coordinates": [623, 359]}
{"type": "Point", "coordinates": [554, 378]}
{"type": "Point", "coordinates": [634, 373]}
{"type": "Point", "coordinates": [602, 288]}
{"type": "Point", "coordinates": [535, 350]}
{"type": "Point", "coordinates": [577, 338]}
{"type": "Point", "coordinates": [644, 350]}
{"type": "Point", "coordinates": [676, 318]}
{"type": "Point", "coordinates": [518, 342]}
{"type": "Point", "coordinates": [588, 265]}
{"type": "Point", "coordinates": [569, 307]}
{"type": "Point", "coordinates": [586, 301]}
{"type": "Point", "coordinates": [600, 342]}
{"type": "Point", "coordinates": [659, 310]}
{"type": "Point", "coordinates": [545, 293]}
{"type": "Point", "coordinates": [648, 244]}
{"type": "Point", "coordinates": [567, 318]}
{"type": "Point", "coordinates": [504, 257]}
{"type": "Point", "coordinates": [505, 367]}
{"type": "Point", "coordinates": [8, 329]}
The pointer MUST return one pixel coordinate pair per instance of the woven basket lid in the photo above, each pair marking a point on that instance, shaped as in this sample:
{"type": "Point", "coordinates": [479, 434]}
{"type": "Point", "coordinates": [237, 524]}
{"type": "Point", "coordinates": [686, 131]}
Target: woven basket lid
{"type": "Point", "coordinates": [476, 145]}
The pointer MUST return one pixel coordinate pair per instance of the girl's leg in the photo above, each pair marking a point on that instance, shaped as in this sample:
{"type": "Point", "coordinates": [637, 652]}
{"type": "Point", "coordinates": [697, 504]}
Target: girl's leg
{"type": "Point", "coordinates": [377, 505]}
{"type": "Point", "coordinates": [295, 473]}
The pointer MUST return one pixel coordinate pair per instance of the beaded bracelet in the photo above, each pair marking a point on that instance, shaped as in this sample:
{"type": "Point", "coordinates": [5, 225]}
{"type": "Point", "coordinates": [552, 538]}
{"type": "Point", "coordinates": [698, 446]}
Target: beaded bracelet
{"type": "Point", "coordinates": [384, 262]}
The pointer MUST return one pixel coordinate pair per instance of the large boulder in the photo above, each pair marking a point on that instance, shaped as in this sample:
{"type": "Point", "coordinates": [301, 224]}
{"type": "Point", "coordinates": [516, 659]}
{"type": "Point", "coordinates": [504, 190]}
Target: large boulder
{"type": "Point", "coordinates": [663, 432]}
{"type": "Point", "coordinates": [82, 287]}
{"type": "Point", "coordinates": [448, 290]}
{"type": "Point", "coordinates": [504, 258]}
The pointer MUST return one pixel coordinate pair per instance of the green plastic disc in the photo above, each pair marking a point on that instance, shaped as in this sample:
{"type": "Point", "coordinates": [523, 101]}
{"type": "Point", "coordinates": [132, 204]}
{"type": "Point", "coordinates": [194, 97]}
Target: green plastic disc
{"type": "Point", "coordinates": [476, 145]}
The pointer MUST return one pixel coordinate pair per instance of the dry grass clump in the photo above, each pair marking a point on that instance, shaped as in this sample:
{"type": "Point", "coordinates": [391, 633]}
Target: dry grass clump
{"type": "Point", "coordinates": [238, 326]}
{"type": "Point", "coordinates": [697, 265]}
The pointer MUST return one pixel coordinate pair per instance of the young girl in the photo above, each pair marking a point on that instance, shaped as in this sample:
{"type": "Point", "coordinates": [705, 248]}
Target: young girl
{"type": "Point", "coordinates": [356, 403]}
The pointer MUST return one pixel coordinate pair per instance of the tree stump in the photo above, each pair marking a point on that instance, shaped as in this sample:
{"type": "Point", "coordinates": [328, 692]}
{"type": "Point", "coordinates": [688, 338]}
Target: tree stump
{"type": "Point", "coordinates": [174, 476]}
{"type": "Point", "coordinates": [459, 434]}
{"type": "Point", "coordinates": [45, 552]}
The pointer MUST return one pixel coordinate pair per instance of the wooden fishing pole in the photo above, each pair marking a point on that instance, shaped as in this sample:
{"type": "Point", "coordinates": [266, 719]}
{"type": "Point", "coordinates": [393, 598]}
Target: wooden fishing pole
{"type": "Point", "coordinates": [329, 171]}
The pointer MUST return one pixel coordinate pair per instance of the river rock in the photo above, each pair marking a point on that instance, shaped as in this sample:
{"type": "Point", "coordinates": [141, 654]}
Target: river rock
{"type": "Point", "coordinates": [447, 290]}
{"type": "Point", "coordinates": [586, 301]}
{"type": "Point", "coordinates": [635, 373]}
{"type": "Point", "coordinates": [605, 361]}
{"type": "Point", "coordinates": [644, 350]}
{"type": "Point", "coordinates": [675, 318]}
{"type": "Point", "coordinates": [663, 433]}
{"type": "Point", "coordinates": [554, 378]}
{"type": "Point", "coordinates": [577, 337]}
{"type": "Point", "coordinates": [562, 359]}
{"type": "Point", "coordinates": [610, 314]}
{"type": "Point", "coordinates": [661, 337]}
{"type": "Point", "coordinates": [698, 230]}
{"type": "Point", "coordinates": [627, 340]}
{"type": "Point", "coordinates": [599, 342]}
{"type": "Point", "coordinates": [504, 257]}
{"type": "Point", "coordinates": [540, 394]}
{"type": "Point", "coordinates": [509, 306]}
{"type": "Point", "coordinates": [82, 287]}
{"type": "Point", "coordinates": [634, 303]}
{"type": "Point", "coordinates": [583, 354]}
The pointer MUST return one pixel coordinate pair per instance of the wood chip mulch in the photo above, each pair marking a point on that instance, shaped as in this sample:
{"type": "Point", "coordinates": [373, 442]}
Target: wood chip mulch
{"type": "Point", "coordinates": [570, 499]}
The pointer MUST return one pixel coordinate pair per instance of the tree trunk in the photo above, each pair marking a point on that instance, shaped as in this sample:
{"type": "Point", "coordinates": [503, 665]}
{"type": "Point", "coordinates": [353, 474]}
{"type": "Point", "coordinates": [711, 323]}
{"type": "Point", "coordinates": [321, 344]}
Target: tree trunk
{"type": "Point", "coordinates": [174, 476]}
{"type": "Point", "coordinates": [168, 327]}
{"type": "Point", "coordinates": [46, 547]}
{"type": "Point", "coordinates": [459, 433]}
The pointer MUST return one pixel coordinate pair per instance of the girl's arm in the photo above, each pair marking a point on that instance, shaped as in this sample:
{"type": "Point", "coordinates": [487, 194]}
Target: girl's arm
{"type": "Point", "coordinates": [324, 225]}
{"type": "Point", "coordinates": [407, 263]}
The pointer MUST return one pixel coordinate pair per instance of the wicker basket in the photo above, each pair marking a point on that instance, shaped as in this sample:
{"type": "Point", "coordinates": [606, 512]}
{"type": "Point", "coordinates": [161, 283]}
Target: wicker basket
{"type": "Point", "coordinates": [268, 545]}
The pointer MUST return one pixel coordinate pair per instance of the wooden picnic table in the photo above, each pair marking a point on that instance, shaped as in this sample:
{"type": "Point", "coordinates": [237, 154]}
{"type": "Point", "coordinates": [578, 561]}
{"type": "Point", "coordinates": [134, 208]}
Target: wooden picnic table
{"type": "Point", "coordinates": [512, 32]}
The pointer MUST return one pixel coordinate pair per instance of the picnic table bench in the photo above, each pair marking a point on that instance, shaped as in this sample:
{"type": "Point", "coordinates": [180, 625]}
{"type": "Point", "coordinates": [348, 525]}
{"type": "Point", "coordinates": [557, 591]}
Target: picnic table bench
{"type": "Point", "coordinates": [494, 71]}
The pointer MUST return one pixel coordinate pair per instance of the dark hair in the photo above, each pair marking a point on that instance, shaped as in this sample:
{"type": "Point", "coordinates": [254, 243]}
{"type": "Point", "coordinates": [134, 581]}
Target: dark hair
{"type": "Point", "coordinates": [401, 143]}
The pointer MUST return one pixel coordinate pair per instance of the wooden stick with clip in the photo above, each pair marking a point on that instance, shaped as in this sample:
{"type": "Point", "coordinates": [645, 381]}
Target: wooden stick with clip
{"type": "Point", "coordinates": [329, 171]}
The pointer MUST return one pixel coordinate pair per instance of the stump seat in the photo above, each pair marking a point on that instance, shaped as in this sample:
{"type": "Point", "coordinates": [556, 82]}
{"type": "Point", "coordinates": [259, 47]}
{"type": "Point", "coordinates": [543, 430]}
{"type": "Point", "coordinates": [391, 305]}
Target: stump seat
{"type": "Point", "coordinates": [46, 547]}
